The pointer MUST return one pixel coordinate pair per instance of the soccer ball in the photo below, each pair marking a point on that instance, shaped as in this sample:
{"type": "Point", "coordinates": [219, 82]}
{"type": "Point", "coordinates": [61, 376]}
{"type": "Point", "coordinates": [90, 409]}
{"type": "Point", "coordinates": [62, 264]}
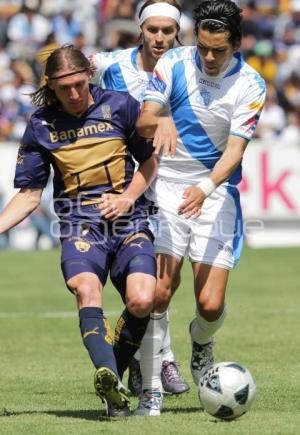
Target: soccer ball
{"type": "Point", "coordinates": [227, 390]}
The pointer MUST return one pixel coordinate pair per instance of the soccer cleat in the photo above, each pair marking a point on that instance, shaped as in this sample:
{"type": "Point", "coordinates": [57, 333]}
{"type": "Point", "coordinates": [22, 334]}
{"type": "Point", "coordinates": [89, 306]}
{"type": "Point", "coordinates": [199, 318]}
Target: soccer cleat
{"type": "Point", "coordinates": [202, 359]}
{"type": "Point", "coordinates": [135, 377]}
{"type": "Point", "coordinates": [150, 404]}
{"type": "Point", "coordinates": [112, 392]}
{"type": "Point", "coordinates": [171, 379]}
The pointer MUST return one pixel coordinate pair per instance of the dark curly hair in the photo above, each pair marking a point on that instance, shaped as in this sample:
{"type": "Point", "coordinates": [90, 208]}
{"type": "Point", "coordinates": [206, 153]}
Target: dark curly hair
{"type": "Point", "coordinates": [226, 11]}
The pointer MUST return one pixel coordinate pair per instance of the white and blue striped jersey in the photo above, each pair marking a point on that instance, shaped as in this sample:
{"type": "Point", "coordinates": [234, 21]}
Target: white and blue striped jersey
{"type": "Point", "coordinates": [119, 71]}
{"type": "Point", "coordinates": [205, 109]}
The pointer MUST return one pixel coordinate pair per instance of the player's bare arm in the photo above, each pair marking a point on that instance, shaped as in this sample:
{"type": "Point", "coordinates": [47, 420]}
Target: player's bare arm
{"type": "Point", "coordinates": [194, 196]}
{"type": "Point", "coordinates": [113, 206]}
{"type": "Point", "coordinates": [230, 159]}
{"type": "Point", "coordinates": [148, 121]}
{"type": "Point", "coordinates": [165, 136]}
{"type": "Point", "coordinates": [157, 123]}
{"type": "Point", "coordinates": [20, 206]}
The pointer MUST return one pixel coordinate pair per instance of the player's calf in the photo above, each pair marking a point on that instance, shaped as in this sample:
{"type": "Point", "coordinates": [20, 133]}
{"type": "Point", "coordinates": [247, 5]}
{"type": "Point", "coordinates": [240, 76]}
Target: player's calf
{"type": "Point", "coordinates": [129, 332]}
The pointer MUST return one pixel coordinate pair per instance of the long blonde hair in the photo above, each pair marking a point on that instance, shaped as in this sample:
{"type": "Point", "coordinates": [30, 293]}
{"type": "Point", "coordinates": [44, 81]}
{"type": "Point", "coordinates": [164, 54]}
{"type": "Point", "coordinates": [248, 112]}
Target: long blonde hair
{"type": "Point", "coordinates": [62, 57]}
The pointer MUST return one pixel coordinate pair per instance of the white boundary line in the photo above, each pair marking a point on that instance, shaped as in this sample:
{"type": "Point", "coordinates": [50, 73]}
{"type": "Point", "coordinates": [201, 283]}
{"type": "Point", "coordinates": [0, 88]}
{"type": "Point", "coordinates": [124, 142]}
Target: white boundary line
{"type": "Point", "coordinates": [53, 314]}
{"type": "Point", "coordinates": [49, 315]}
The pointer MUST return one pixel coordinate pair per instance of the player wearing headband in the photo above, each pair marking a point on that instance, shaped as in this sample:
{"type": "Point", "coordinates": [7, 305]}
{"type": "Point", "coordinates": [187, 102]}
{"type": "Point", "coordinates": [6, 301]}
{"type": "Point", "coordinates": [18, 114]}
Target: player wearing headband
{"type": "Point", "coordinates": [88, 137]}
{"type": "Point", "coordinates": [130, 70]}
{"type": "Point", "coordinates": [216, 100]}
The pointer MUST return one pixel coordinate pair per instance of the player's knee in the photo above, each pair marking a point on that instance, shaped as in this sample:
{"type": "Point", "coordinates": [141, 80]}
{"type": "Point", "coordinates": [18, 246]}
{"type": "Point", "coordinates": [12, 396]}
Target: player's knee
{"type": "Point", "coordinates": [210, 309]}
{"type": "Point", "coordinates": [140, 304]}
{"type": "Point", "coordinates": [85, 290]}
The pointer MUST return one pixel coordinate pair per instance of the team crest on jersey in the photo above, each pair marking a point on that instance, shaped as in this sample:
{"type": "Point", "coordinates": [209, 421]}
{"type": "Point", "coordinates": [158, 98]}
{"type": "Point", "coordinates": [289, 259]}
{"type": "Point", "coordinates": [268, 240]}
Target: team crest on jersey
{"type": "Point", "coordinates": [82, 245]}
{"type": "Point", "coordinates": [204, 97]}
{"type": "Point", "coordinates": [106, 112]}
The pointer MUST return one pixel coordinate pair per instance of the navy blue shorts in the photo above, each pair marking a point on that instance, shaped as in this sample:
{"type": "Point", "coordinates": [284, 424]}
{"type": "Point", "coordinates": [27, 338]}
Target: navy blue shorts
{"type": "Point", "coordinates": [136, 254]}
{"type": "Point", "coordinates": [98, 246]}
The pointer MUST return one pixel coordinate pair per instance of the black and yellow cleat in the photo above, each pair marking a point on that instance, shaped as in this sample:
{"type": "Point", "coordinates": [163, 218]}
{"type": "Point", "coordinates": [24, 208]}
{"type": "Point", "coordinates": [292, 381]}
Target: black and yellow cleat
{"type": "Point", "coordinates": [112, 392]}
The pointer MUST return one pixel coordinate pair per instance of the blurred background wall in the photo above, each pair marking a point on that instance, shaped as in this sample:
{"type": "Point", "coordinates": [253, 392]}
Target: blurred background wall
{"type": "Point", "coordinates": [270, 189]}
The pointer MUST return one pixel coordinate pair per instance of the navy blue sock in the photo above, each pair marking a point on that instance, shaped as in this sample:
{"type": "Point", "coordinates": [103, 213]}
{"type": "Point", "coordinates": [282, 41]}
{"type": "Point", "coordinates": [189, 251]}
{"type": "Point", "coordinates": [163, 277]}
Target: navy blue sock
{"type": "Point", "coordinates": [128, 336]}
{"type": "Point", "coordinates": [97, 337]}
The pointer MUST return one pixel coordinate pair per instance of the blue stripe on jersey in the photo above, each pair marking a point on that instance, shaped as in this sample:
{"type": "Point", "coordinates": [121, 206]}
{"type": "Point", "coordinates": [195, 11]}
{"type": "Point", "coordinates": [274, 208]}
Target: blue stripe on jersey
{"type": "Point", "coordinates": [113, 78]}
{"type": "Point", "coordinates": [238, 239]}
{"type": "Point", "coordinates": [237, 67]}
{"type": "Point", "coordinates": [193, 136]}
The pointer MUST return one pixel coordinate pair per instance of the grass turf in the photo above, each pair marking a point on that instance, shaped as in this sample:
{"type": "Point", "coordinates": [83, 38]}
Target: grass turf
{"type": "Point", "coordinates": [46, 384]}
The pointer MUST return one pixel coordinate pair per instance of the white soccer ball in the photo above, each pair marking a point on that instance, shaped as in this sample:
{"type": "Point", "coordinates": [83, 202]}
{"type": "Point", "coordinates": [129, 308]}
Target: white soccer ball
{"type": "Point", "coordinates": [227, 390]}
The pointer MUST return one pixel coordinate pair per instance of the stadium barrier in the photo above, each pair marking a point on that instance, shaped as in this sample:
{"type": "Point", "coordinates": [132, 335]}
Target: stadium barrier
{"type": "Point", "coordinates": [270, 194]}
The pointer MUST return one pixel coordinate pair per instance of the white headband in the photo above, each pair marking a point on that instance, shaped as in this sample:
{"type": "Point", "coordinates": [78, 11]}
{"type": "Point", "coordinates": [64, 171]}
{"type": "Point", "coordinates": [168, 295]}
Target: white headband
{"type": "Point", "coordinates": [160, 10]}
{"type": "Point", "coordinates": [212, 19]}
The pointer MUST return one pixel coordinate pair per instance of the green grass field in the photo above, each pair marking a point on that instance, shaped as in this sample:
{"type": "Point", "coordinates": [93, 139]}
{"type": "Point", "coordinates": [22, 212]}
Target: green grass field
{"type": "Point", "coordinates": [46, 384]}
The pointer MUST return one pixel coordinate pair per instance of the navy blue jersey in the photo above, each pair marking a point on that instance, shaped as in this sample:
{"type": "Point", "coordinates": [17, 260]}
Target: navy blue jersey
{"type": "Point", "coordinates": [90, 154]}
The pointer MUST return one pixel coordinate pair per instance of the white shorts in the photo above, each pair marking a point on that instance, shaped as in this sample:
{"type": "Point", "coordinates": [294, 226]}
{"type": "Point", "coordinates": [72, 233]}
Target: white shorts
{"type": "Point", "coordinates": [215, 237]}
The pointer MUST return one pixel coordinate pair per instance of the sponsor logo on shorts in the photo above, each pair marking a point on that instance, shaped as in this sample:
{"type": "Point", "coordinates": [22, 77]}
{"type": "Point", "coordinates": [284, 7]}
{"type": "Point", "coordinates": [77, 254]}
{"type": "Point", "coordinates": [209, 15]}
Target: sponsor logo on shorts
{"type": "Point", "coordinates": [82, 246]}
{"type": "Point", "coordinates": [76, 262]}
{"type": "Point", "coordinates": [85, 229]}
{"type": "Point", "coordinates": [137, 261]}
{"type": "Point", "coordinates": [227, 249]}
{"type": "Point", "coordinates": [138, 245]}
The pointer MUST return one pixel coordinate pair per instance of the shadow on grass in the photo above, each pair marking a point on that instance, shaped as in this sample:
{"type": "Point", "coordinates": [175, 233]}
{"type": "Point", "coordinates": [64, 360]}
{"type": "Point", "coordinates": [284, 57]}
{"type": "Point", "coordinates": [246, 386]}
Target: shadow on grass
{"type": "Point", "coordinates": [178, 410]}
{"type": "Point", "coordinates": [94, 415]}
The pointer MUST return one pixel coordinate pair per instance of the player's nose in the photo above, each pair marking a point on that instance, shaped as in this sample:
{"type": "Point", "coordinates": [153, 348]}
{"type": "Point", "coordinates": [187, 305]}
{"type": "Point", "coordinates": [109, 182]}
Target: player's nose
{"type": "Point", "coordinates": [159, 36]}
{"type": "Point", "coordinates": [73, 93]}
{"type": "Point", "coordinates": [209, 57]}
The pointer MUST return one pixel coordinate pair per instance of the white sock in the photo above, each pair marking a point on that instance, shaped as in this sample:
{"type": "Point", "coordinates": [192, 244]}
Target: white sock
{"type": "Point", "coordinates": [202, 331]}
{"type": "Point", "coordinates": [151, 351]}
{"type": "Point", "coordinates": [167, 354]}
